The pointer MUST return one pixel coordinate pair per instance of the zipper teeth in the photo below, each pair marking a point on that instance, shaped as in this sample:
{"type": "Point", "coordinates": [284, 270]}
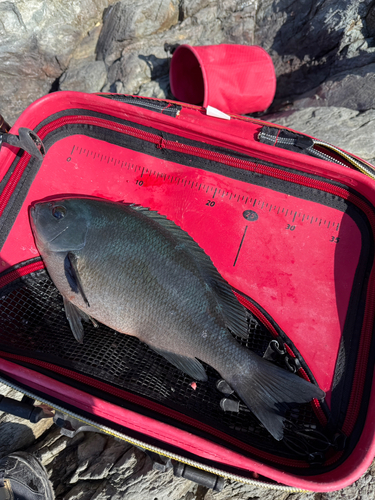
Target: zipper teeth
{"type": "Point", "coordinates": [270, 171]}
{"type": "Point", "coordinates": [292, 142]}
{"type": "Point", "coordinates": [13, 181]}
{"type": "Point", "coordinates": [324, 156]}
{"type": "Point", "coordinates": [22, 271]}
{"type": "Point", "coordinates": [137, 442]}
{"type": "Point", "coordinates": [364, 167]}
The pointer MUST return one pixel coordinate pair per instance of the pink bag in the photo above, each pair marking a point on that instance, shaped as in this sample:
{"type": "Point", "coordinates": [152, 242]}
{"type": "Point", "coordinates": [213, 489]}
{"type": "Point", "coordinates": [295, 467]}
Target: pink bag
{"type": "Point", "coordinates": [235, 79]}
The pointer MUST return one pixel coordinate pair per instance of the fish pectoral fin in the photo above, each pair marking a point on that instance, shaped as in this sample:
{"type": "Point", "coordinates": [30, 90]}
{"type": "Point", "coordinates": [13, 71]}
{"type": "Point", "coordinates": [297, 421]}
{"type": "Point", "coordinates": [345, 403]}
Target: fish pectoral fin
{"type": "Point", "coordinates": [191, 366]}
{"type": "Point", "coordinates": [75, 317]}
{"type": "Point", "coordinates": [72, 275]}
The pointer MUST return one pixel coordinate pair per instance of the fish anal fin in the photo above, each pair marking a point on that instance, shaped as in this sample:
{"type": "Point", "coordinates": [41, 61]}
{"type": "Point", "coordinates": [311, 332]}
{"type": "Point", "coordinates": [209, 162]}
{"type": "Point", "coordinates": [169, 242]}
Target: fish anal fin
{"type": "Point", "coordinates": [190, 366]}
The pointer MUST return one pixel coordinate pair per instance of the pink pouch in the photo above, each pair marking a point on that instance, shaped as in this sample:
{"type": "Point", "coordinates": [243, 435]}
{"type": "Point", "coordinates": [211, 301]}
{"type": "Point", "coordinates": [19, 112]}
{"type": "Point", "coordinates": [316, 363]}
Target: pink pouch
{"type": "Point", "coordinates": [235, 79]}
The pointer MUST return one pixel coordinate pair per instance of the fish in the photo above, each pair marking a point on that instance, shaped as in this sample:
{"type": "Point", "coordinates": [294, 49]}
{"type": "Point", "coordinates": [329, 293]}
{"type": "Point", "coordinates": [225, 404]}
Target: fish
{"type": "Point", "coordinates": [140, 274]}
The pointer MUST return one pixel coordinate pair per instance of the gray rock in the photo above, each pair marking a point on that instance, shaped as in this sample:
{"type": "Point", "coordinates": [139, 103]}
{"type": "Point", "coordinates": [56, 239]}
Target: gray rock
{"type": "Point", "coordinates": [140, 65]}
{"type": "Point", "coordinates": [127, 20]}
{"type": "Point", "coordinates": [85, 73]}
{"type": "Point", "coordinates": [85, 77]}
{"type": "Point", "coordinates": [127, 57]}
{"type": "Point", "coordinates": [354, 90]}
{"type": "Point", "coordinates": [38, 38]}
{"type": "Point", "coordinates": [191, 7]}
{"type": "Point", "coordinates": [313, 41]}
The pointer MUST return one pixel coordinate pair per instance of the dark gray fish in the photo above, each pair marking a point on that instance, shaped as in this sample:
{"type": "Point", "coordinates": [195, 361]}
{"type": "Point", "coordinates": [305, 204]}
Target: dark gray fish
{"type": "Point", "coordinates": [140, 274]}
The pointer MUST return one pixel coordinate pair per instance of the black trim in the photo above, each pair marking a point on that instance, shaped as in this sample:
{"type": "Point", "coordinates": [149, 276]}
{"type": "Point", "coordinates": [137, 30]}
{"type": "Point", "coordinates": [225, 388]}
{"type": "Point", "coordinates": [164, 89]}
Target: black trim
{"type": "Point", "coordinates": [17, 199]}
{"type": "Point", "coordinates": [163, 107]}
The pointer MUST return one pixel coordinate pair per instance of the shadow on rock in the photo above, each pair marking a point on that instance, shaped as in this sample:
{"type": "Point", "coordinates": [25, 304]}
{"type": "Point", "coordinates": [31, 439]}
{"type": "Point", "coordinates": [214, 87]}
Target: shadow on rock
{"type": "Point", "coordinates": [316, 41]}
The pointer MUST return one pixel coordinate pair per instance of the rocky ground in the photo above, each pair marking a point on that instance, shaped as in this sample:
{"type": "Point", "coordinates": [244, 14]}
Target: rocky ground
{"type": "Point", "coordinates": [324, 55]}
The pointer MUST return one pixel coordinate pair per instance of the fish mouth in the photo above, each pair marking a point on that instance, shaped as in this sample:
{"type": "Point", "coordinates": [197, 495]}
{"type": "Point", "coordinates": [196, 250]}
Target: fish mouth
{"type": "Point", "coordinates": [32, 211]}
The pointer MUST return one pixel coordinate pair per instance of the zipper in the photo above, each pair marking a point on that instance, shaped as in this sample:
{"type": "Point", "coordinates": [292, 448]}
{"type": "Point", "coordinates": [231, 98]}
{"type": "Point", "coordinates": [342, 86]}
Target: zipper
{"type": "Point", "coordinates": [155, 449]}
{"type": "Point", "coordinates": [363, 166]}
{"type": "Point", "coordinates": [366, 333]}
{"type": "Point", "coordinates": [8, 278]}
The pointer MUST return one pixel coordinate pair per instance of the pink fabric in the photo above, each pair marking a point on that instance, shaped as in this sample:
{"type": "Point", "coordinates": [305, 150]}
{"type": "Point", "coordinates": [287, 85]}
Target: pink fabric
{"type": "Point", "coordinates": [236, 79]}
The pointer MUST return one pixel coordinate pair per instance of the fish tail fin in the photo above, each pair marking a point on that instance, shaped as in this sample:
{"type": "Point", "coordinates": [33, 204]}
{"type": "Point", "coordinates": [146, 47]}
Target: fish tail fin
{"type": "Point", "coordinates": [268, 391]}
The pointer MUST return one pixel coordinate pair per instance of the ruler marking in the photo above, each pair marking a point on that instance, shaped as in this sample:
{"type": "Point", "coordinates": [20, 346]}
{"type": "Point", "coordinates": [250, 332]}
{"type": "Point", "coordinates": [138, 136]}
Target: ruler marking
{"type": "Point", "coordinates": [239, 248]}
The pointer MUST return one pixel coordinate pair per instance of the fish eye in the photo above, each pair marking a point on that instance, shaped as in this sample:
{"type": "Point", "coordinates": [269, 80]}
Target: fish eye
{"type": "Point", "coordinates": [59, 212]}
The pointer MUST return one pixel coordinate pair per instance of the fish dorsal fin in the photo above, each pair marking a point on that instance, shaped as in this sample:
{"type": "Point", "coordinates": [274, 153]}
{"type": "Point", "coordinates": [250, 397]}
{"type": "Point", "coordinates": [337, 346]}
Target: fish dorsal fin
{"type": "Point", "coordinates": [191, 366]}
{"type": "Point", "coordinates": [233, 312]}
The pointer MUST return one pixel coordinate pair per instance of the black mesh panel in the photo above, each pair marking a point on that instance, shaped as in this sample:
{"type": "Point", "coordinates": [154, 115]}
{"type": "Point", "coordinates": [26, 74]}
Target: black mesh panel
{"type": "Point", "coordinates": [33, 324]}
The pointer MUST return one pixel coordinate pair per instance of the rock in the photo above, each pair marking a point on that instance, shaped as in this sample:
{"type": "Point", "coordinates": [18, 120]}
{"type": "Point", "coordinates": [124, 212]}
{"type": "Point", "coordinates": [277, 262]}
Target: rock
{"type": "Point", "coordinates": [85, 73]}
{"type": "Point", "coordinates": [53, 445]}
{"type": "Point", "coordinates": [38, 38]}
{"type": "Point", "coordinates": [127, 20]}
{"type": "Point", "coordinates": [353, 90]}
{"type": "Point", "coordinates": [119, 48]}
{"type": "Point", "coordinates": [346, 128]}
{"type": "Point", "coordinates": [313, 41]}
{"type": "Point", "coordinates": [108, 460]}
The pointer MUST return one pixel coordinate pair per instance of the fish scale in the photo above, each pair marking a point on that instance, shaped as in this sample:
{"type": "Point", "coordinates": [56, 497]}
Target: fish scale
{"type": "Point", "coordinates": [142, 275]}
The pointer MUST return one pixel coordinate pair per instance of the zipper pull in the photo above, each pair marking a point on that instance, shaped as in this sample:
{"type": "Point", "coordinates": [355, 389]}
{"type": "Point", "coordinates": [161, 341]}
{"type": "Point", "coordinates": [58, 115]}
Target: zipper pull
{"type": "Point", "coordinates": [26, 140]}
